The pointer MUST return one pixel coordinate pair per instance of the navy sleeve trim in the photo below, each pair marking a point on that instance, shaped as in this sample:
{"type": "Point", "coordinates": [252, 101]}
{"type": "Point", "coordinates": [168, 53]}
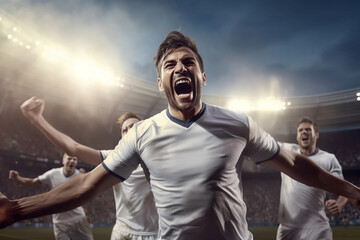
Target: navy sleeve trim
{"type": "Point", "coordinates": [111, 172]}
{"type": "Point", "coordinates": [101, 156]}
{"type": "Point", "coordinates": [274, 156]}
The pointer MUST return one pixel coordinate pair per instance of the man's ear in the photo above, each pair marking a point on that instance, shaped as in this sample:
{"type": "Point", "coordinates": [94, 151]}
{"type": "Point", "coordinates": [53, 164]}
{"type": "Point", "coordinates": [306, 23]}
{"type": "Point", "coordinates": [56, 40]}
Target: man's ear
{"type": "Point", "coordinates": [160, 85]}
{"type": "Point", "coordinates": [204, 78]}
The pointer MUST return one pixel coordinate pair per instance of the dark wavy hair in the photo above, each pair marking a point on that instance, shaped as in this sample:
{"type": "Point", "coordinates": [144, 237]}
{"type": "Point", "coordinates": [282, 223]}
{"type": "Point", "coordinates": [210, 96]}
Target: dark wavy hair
{"type": "Point", "coordinates": [125, 117]}
{"type": "Point", "coordinates": [308, 120]}
{"type": "Point", "coordinates": [174, 40]}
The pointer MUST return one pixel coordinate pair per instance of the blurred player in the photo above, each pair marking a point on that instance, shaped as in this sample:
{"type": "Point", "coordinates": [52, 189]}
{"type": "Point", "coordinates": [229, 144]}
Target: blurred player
{"type": "Point", "coordinates": [136, 216]}
{"type": "Point", "coordinates": [190, 151]}
{"type": "Point", "coordinates": [302, 208]}
{"type": "Point", "coordinates": [67, 225]}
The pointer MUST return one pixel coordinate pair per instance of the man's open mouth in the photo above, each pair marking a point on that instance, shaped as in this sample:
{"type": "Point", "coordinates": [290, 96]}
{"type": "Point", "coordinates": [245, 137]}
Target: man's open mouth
{"type": "Point", "coordinates": [305, 138]}
{"type": "Point", "coordinates": [183, 87]}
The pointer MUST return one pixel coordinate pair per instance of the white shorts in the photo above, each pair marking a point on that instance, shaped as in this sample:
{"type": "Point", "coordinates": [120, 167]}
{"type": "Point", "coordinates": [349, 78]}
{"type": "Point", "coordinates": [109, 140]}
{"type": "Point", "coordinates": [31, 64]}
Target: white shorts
{"type": "Point", "coordinates": [316, 233]}
{"type": "Point", "coordinates": [120, 232]}
{"type": "Point", "coordinates": [79, 230]}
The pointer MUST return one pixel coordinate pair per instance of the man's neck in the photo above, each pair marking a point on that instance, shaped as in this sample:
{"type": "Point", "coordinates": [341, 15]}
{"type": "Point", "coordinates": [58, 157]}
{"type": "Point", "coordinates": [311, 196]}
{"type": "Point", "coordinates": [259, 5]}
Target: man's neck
{"type": "Point", "coordinates": [308, 151]}
{"type": "Point", "coordinates": [184, 115]}
{"type": "Point", "coordinates": [68, 172]}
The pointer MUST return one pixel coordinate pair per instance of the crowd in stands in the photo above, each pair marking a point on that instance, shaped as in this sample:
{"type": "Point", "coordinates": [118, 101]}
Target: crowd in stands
{"type": "Point", "coordinates": [344, 144]}
{"type": "Point", "coordinates": [262, 196]}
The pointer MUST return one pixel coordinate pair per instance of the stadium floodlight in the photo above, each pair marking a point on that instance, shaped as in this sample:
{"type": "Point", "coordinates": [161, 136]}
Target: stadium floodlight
{"type": "Point", "coordinates": [358, 94]}
{"type": "Point", "coordinates": [270, 105]}
{"type": "Point", "coordinates": [238, 105]}
{"type": "Point", "coordinates": [259, 105]}
{"type": "Point", "coordinates": [90, 71]}
{"type": "Point", "coordinates": [9, 36]}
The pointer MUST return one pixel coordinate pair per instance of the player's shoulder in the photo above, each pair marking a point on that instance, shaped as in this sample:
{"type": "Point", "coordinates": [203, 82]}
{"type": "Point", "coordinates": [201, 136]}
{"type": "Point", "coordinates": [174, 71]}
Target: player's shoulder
{"type": "Point", "coordinates": [324, 157]}
{"type": "Point", "coordinates": [325, 154]}
{"type": "Point", "coordinates": [54, 170]}
{"type": "Point", "coordinates": [146, 124]}
{"type": "Point", "coordinates": [223, 114]}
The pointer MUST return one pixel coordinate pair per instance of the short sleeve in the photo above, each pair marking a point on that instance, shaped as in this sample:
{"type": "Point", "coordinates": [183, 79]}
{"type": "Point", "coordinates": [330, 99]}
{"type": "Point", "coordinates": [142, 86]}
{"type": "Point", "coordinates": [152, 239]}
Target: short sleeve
{"type": "Point", "coordinates": [124, 159]}
{"type": "Point", "coordinates": [335, 167]}
{"type": "Point", "coordinates": [45, 177]}
{"type": "Point", "coordinates": [104, 154]}
{"type": "Point", "coordinates": [261, 146]}
{"type": "Point", "coordinates": [292, 147]}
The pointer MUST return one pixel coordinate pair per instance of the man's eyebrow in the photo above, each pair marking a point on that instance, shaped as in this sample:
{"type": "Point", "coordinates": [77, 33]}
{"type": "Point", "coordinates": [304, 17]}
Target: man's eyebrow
{"type": "Point", "coordinates": [169, 61]}
{"type": "Point", "coordinates": [181, 59]}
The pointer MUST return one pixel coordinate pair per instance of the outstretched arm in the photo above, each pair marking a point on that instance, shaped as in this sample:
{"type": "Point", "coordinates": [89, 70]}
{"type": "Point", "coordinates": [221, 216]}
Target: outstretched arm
{"type": "Point", "coordinates": [27, 182]}
{"type": "Point", "coordinates": [66, 196]}
{"type": "Point", "coordinates": [306, 171]}
{"type": "Point", "coordinates": [33, 109]}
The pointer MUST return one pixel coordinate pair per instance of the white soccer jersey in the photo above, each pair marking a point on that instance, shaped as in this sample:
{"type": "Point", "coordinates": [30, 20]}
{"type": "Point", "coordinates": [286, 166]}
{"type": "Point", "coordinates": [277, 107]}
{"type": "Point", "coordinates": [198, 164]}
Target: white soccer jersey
{"type": "Point", "coordinates": [192, 170]}
{"type": "Point", "coordinates": [53, 178]}
{"type": "Point", "coordinates": [135, 207]}
{"type": "Point", "coordinates": [302, 206]}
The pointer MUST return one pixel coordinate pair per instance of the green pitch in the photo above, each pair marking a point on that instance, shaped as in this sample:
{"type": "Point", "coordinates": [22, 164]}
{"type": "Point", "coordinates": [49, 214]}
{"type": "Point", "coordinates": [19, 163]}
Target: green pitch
{"type": "Point", "coordinates": [260, 233]}
{"type": "Point", "coordinates": [339, 233]}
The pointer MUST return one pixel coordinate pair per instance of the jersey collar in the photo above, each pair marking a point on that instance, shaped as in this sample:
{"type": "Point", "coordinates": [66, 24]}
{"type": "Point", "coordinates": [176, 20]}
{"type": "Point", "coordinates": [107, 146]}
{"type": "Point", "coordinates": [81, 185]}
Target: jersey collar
{"type": "Point", "coordinates": [191, 121]}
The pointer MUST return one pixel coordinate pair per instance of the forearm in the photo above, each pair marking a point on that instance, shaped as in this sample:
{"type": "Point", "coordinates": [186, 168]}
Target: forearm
{"type": "Point", "coordinates": [336, 185]}
{"type": "Point", "coordinates": [342, 201]}
{"type": "Point", "coordinates": [66, 143]}
{"type": "Point", "coordinates": [66, 196]}
{"type": "Point", "coordinates": [60, 199]}
{"type": "Point", "coordinates": [306, 171]}
{"type": "Point", "coordinates": [27, 182]}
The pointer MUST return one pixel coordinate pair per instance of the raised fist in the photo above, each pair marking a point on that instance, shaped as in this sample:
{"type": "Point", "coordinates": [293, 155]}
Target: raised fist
{"type": "Point", "coordinates": [13, 175]}
{"type": "Point", "coordinates": [32, 108]}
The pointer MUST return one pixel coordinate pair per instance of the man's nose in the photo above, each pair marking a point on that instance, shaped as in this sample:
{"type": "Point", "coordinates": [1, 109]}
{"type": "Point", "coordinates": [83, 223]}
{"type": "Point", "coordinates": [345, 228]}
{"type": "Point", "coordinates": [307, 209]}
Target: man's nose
{"type": "Point", "coordinates": [180, 68]}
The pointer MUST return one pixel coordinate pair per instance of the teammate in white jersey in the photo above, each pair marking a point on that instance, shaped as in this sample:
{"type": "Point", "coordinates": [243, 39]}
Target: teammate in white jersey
{"type": "Point", "coordinates": [136, 216]}
{"type": "Point", "coordinates": [67, 225]}
{"type": "Point", "coordinates": [190, 152]}
{"type": "Point", "coordinates": [302, 208]}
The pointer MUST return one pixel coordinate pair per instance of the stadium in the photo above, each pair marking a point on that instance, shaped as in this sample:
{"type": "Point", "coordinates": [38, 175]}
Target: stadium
{"type": "Point", "coordinates": [88, 110]}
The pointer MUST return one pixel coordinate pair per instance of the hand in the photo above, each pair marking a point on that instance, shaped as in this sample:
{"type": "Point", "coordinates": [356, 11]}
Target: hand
{"type": "Point", "coordinates": [13, 175]}
{"type": "Point", "coordinates": [6, 216]}
{"type": "Point", "coordinates": [33, 108]}
{"type": "Point", "coordinates": [333, 206]}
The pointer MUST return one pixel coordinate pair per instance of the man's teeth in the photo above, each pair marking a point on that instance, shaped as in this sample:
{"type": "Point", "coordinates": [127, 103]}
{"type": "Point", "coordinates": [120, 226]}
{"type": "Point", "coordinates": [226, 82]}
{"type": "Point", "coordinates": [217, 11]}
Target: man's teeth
{"type": "Point", "coordinates": [182, 81]}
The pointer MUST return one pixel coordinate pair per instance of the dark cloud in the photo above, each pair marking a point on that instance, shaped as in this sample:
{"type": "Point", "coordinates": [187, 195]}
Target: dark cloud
{"type": "Point", "coordinates": [247, 47]}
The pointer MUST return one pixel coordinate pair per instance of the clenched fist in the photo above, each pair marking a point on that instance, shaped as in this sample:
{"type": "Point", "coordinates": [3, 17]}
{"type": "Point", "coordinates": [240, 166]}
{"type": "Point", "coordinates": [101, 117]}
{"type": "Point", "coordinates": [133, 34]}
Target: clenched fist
{"type": "Point", "coordinates": [13, 175]}
{"type": "Point", "coordinates": [33, 108]}
{"type": "Point", "coordinates": [333, 206]}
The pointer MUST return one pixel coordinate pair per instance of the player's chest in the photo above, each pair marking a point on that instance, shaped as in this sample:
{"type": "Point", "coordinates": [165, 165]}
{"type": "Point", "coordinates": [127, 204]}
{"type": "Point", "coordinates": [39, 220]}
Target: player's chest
{"type": "Point", "coordinates": [191, 152]}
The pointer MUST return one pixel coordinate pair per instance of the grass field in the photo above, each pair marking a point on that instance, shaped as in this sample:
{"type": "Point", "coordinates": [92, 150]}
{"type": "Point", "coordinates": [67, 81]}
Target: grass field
{"type": "Point", "coordinates": [260, 233]}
